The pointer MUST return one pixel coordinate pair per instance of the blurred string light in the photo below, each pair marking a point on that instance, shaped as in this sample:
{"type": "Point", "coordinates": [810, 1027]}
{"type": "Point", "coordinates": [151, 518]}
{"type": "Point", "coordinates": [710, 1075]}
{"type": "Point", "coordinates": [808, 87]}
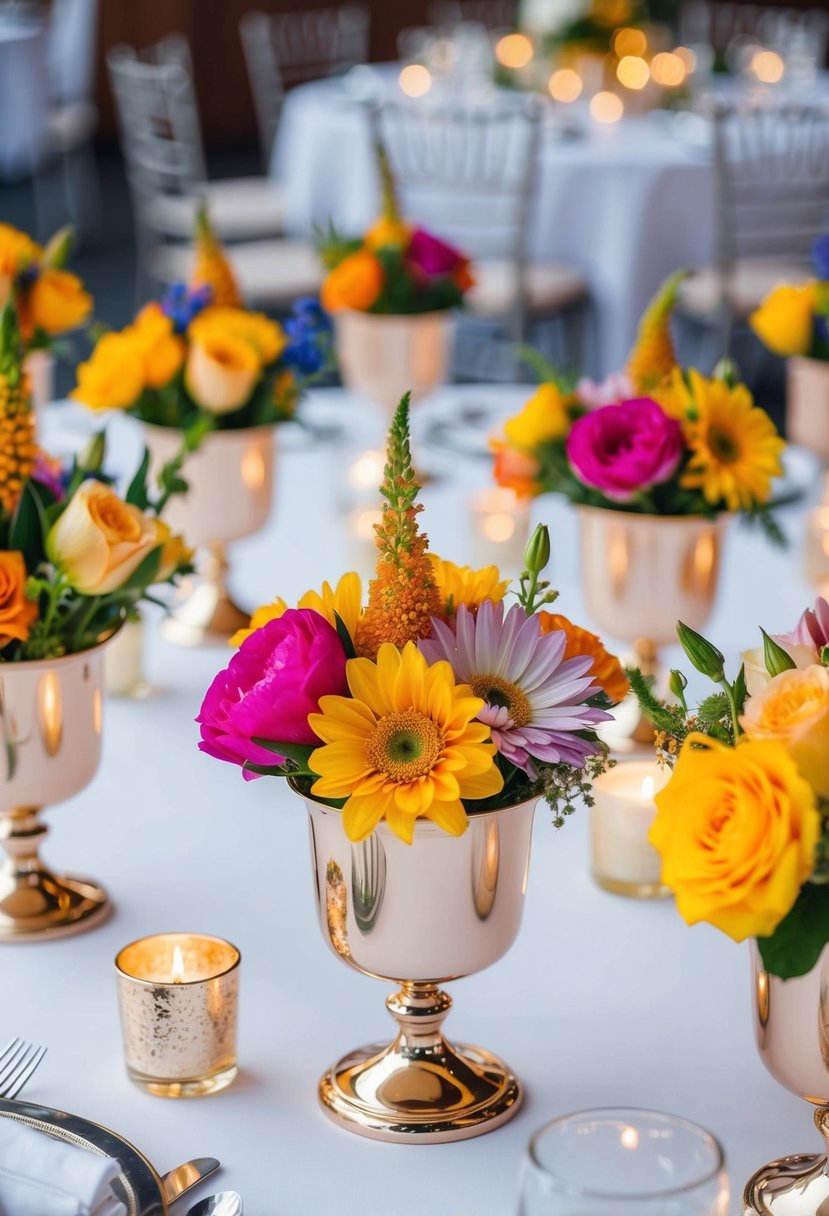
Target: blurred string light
{"type": "Point", "coordinates": [767, 66]}
{"type": "Point", "coordinates": [607, 107]}
{"type": "Point", "coordinates": [415, 80]}
{"type": "Point", "coordinates": [565, 85]}
{"type": "Point", "coordinates": [514, 50]}
{"type": "Point", "coordinates": [627, 41]}
{"type": "Point", "coordinates": [633, 72]}
{"type": "Point", "coordinates": [668, 69]}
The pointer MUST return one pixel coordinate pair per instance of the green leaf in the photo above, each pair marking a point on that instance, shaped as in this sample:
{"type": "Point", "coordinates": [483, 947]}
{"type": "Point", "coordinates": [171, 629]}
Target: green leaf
{"type": "Point", "coordinates": [300, 753]}
{"type": "Point", "coordinates": [29, 527]}
{"type": "Point", "coordinates": [796, 944]}
{"type": "Point", "coordinates": [739, 689]}
{"type": "Point", "coordinates": [137, 492]}
{"type": "Point", "coordinates": [345, 637]}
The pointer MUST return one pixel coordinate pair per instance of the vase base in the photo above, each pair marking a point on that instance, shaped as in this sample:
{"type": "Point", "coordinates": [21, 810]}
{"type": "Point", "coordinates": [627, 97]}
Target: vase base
{"type": "Point", "coordinates": [209, 617]}
{"type": "Point", "coordinates": [39, 906]}
{"type": "Point", "coordinates": [790, 1186]}
{"type": "Point", "coordinates": [420, 1098]}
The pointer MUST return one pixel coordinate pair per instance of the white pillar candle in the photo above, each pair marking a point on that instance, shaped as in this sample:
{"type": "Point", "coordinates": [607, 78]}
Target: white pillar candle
{"type": "Point", "coordinates": [500, 529]}
{"type": "Point", "coordinates": [623, 859]}
{"type": "Point", "coordinates": [123, 666]}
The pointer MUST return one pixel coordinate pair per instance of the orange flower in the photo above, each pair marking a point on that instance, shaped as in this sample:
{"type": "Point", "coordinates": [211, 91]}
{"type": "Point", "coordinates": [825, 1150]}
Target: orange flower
{"type": "Point", "coordinates": [355, 283]}
{"type": "Point", "coordinates": [515, 470]}
{"type": "Point", "coordinates": [607, 671]}
{"type": "Point", "coordinates": [17, 614]}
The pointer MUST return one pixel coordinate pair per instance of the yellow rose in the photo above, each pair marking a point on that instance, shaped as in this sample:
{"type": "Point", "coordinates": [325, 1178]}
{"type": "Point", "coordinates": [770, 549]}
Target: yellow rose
{"type": "Point", "coordinates": [736, 828]}
{"type": "Point", "coordinates": [174, 553]}
{"type": "Point", "coordinates": [793, 709]}
{"type": "Point", "coordinates": [162, 351]}
{"type": "Point", "coordinates": [265, 337]}
{"type": "Point", "coordinates": [113, 377]}
{"type": "Point", "coordinates": [544, 417]}
{"type": "Point", "coordinates": [757, 675]}
{"type": "Point", "coordinates": [221, 372]}
{"type": "Point", "coordinates": [57, 302]}
{"type": "Point", "coordinates": [99, 541]}
{"type": "Point", "coordinates": [16, 250]}
{"type": "Point", "coordinates": [783, 322]}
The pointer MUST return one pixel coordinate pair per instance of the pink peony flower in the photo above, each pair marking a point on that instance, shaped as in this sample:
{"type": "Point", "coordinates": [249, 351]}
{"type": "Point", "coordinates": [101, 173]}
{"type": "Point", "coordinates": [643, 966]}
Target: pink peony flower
{"type": "Point", "coordinates": [271, 685]}
{"type": "Point", "coordinates": [624, 449]}
{"type": "Point", "coordinates": [615, 388]}
{"type": "Point", "coordinates": [812, 629]}
{"type": "Point", "coordinates": [432, 256]}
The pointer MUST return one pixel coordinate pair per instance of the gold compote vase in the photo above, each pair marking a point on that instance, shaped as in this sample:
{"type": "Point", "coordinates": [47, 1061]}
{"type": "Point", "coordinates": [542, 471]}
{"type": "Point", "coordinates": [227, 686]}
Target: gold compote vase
{"type": "Point", "coordinates": [791, 1025]}
{"type": "Point", "coordinates": [50, 748]}
{"type": "Point", "coordinates": [229, 493]}
{"type": "Point", "coordinates": [642, 573]}
{"type": "Point", "coordinates": [418, 916]}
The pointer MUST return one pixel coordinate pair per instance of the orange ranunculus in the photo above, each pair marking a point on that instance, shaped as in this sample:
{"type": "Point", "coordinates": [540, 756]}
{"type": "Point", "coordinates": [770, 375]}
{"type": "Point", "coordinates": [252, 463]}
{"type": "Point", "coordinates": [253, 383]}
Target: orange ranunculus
{"type": "Point", "coordinates": [17, 614]}
{"type": "Point", "coordinates": [607, 671]}
{"type": "Point", "coordinates": [56, 302]}
{"type": "Point", "coordinates": [355, 283]}
{"type": "Point", "coordinates": [515, 470]}
{"type": "Point", "coordinates": [463, 276]}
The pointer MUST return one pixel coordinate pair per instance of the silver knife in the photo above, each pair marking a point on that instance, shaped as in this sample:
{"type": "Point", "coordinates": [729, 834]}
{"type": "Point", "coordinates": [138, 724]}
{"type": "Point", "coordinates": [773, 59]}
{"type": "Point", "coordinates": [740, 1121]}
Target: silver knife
{"type": "Point", "coordinates": [180, 1180]}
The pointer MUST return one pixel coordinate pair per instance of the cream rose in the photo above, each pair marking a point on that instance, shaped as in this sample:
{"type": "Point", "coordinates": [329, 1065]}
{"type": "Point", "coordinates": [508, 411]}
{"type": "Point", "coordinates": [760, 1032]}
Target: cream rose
{"type": "Point", "coordinates": [221, 372]}
{"type": "Point", "coordinates": [99, 541]}
{"type": "Point", "coordinates": [793, 709]}
{"type": "Point", "coordinates": [757, 675]}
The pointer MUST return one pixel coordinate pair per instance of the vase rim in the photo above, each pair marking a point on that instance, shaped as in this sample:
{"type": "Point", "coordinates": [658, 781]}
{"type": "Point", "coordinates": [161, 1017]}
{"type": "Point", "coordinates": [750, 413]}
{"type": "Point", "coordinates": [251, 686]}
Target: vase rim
{"type": "Point", "coordinates": [422, 819]}
{"type": "Point", "coordinates": [64, 660]}
{"type": "Point", "coordinates": [262, 427]}
{"type": "Point", "coordinates": [720, 517]}
{"type": "Point", "coordinates": [583, 1192]}
{"type": "Point", "coordinates": [397, 316]}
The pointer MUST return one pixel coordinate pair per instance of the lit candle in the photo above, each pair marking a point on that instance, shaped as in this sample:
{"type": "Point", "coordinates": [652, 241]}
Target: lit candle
{"type": "Point", "coordinates": [623, 860]}
{"type": "Point", "coordinates": [178, 997]}
{"type": "Point", "coordinates": [500, 528]}
{"type": "Point", "coordinates": [123, 662]}
{"type": "Point", "coordinates": [816, 547]}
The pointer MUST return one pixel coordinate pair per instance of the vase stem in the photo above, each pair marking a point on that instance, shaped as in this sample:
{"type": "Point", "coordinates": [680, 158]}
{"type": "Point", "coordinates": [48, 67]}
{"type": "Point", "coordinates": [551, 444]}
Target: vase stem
{"type": "Point", "coordinates": [209, 616]}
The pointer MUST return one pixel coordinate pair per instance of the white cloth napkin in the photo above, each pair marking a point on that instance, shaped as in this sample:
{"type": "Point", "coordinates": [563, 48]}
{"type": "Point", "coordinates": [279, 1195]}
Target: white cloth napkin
{"type": "Point", "coordinates": [42, 1176]}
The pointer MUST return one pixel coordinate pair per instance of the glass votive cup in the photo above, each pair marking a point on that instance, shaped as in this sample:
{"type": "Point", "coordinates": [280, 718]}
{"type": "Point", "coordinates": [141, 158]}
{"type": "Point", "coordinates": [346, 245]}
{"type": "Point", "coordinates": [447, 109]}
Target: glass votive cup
{"type": "Point", "coordinates": [178, 1001]}
{"type": "Point", "coordinates": [500, 529]}
{"type": "Point", "coordinates": [623, 1162]}
{"type": "Point", "coordinates": [623, 861]}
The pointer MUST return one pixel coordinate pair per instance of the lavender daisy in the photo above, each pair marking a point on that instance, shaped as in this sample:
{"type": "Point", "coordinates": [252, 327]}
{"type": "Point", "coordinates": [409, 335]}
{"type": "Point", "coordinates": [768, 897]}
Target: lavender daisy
{"type": "Point", "coordinates": [535, 702]}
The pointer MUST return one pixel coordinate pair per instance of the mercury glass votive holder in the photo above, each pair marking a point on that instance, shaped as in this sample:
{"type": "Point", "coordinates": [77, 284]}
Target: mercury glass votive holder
{"type": "Point", "coordinates": [178, 999]}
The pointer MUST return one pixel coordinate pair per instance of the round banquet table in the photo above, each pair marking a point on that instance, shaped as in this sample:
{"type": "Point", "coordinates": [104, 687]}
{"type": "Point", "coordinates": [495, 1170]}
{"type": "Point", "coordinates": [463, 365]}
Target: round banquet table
{"type": "Point", "coordinates": [625, 205]}
{"type": "Point", "coordinates": [24, 96]}
{"type": "Point", "coordinates": [602, 1000]}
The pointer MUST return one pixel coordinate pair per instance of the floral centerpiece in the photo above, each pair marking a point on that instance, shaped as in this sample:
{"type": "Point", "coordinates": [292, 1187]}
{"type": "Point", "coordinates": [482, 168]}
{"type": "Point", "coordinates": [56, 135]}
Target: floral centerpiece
{"type": "Point", "coordinates": [742, 828]}
{"type": "Point", "coordinates": [201, 372]}
{"type": "Point", "coordinates": [391, 293]}
{"type": "Point", "coordinates": [793, 321]}
{"type": "Point", "coordinates": [418, 726]}
{"type": "Point", "coordinates": [75, 561]}
{"type": "Point", "coordinates": [655, 459]}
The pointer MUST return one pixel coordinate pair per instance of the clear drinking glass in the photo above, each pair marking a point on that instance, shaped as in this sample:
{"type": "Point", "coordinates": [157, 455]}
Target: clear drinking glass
{"type": "Point", "coordinates": [623, 1162]}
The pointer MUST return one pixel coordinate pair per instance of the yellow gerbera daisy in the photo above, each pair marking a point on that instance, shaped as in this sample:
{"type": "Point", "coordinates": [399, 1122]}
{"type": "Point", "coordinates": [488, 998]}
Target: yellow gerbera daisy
{"type": "Point", "coordinates": [345, 600]}
{"type": "Point", "coordinates": [404, 744]}
{"type": "Point", "coordinates": [462, 585]}
{"type": "Point", "coordinates": [735, 447]}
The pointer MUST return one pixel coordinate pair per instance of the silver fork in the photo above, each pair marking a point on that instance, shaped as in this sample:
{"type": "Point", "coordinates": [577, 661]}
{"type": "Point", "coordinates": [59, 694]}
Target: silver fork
{"type": "Point", "coordinates": [18, 1062]}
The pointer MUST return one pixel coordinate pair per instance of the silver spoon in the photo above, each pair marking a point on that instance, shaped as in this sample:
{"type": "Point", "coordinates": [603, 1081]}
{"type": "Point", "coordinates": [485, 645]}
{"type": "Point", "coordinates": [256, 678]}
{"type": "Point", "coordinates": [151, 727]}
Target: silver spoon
{"type": "Point", "coordinates": [226, 1203]}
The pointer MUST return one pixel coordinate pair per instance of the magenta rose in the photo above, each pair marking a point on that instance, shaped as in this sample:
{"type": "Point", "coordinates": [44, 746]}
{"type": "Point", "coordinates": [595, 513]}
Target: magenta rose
{"type": "Point", "coordinates": [431, 256]}
{"type": "Point", "coordinates": [624, 449]}
{"type": "Point", "coordinates": [269, 688]}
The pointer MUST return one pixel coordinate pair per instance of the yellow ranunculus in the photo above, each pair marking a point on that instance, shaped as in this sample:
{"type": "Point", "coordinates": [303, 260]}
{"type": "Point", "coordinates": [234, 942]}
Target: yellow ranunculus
{"type": "Point", "coordinates": [162, 350]}
{"type": "Point", "coordinates": [386, 233]}
{"type": "Point", "coordinates": [737, 829]}
{"type": "Point", "coordinates": [783, 322]}
{"type": "Point", "coordinates": [544, 417]}
{"type": "Point", "coordinates": [99, 541]}
{"type": "Point", "coordinates": [264, 336]}
{"type": "Point", "coordinates": [57, 302]}
{"type": "Point", "coordinates": [793, 709]}
{"type": "Point", "coordinates": [113, 377]}
{"type": "Point", "coordinates": [16, 250]}
{"type": "Point", "coordinates": [174, 553]}
{"type": "Point", "coordinates": [221, 372]}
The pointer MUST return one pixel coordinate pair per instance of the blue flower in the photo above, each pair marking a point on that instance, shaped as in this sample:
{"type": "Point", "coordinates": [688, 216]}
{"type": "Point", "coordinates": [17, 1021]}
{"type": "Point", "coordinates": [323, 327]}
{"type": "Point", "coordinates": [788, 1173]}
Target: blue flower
{"type": "Point", "coordinates": [181, 304]}
{"type": "Point", "coordinates": [820, 256]}
{"type": "Point", "coordinates": [309, 331]}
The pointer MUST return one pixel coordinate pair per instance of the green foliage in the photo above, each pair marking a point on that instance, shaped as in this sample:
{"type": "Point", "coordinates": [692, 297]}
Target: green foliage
{"type": "Point", "coordinates": [796, 944]}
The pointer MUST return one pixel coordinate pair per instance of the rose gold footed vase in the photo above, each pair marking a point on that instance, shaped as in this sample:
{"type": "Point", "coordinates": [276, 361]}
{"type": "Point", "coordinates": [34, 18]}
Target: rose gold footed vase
{"type": "Point", "coordinates": [643, 573]}
{"type": "Point", "coordinates": [230, 489]}
{"type": "Point", "coordinates": [50, 747]}
{"type": "Point", "coordinates": [381, 357]}
{"type": "Point", "coordinates": [791, 1025]}
{"type": "Point", "coordinates": [417, 916]}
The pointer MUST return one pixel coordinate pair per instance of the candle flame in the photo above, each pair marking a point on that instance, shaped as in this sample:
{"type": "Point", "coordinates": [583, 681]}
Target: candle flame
{"type": "Point", "coordinates": [647, 789]}
{"type": "Point", "coordinates": [629, 1136]}
{"type": "Point", "coordinates": [177, 970]}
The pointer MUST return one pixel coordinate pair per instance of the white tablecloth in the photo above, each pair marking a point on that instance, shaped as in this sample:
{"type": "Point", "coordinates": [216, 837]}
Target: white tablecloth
{"type": "Point", "coordinates": [625, 205]}
{"type": "Point", "coordinates": [601, 1001]}
{"type": "Point", "coordinates": [23, 97]}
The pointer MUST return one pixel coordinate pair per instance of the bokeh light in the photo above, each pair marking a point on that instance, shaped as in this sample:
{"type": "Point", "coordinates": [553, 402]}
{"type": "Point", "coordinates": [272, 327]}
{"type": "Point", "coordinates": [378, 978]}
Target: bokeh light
{"type": "Point", "coordinates": [607, 107]}
{"type": "Point", "coordinates": [768, 67]}
{"type": "Point", "coordinates": [514, 50]}
{"type": "Point", "coordinates": [688, 58]}
{"type": "Point", "coordinates": [633, 72]}
{"type": "Point", "coordinates": [668, 69]}
{"type": "Point", "coordinates": [415, 80]}
{"type": "Point", "coordinates": [628, 41]}
{"type": "Point", "coordinates": [565, 85]}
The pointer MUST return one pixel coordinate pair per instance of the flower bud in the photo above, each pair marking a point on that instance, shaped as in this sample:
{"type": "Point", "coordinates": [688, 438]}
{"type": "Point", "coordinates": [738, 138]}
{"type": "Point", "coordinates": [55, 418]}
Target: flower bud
{"type": "Point", "coordinates": [705, 656]}
{"type": "Point", "coordinates": [824, 655]}
{"type": "Point", "coordinates": [727, 371]}
{"type": "Point", "coordinates": [677, 683]}
{"type": "Point", "coordinates": [60, 246]}
{"type": "Point", "coordinates": [537, 552]}
{"type": "Point", "coordinates": [91, 458]}
{"type": "Point", "coordinates": [775, 657]}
